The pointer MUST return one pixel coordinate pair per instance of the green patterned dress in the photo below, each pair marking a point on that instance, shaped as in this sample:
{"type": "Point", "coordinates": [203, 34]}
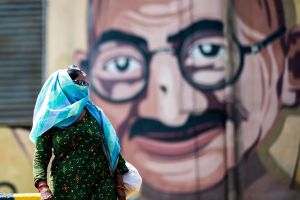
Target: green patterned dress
{"type": "Point", "coordinates": [79, 169]}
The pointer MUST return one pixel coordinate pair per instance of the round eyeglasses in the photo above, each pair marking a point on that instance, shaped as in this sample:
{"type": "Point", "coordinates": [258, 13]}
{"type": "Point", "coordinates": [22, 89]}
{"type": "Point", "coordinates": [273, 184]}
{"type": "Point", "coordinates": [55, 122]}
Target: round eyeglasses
{"type": "Point", "coordinates": [121, 71]}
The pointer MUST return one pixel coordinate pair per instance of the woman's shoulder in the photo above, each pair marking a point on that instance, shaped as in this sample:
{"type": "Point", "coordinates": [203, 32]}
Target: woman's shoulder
{"type": "Point", "coordinates": [91, 106]}
{"type": "Point", "coordinates": [47, 134]}
{"type": "Point", "coordinates": [53, 130]}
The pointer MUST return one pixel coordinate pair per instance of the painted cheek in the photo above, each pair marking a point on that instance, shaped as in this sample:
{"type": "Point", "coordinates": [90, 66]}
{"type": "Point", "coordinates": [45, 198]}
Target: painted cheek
{"type": "Point", "coordinates": [253, 94]}
{"type": "Point", "coordinates": [192, 100]}
{"type": "Point", "coordinates": [252, 83]}
{"type": "Point", "coordinates": [117, 113]}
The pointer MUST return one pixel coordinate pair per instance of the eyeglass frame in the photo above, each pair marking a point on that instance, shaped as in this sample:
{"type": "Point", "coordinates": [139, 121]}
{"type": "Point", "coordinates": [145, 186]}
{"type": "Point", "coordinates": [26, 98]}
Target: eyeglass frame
{"type": "Point", "coordinates": [243, 50]}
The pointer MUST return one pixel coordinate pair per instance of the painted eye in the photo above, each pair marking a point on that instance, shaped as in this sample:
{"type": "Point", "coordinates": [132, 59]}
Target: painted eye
{"type": "Point", "coordinates": [204, 62]}
{"type": "Point", "coordinates": [206, 51]}
{"type": "Point", "coordinates": [121, 64]}
{"type": "Point", "coordinates": [119, 71]}
{"type": "Point", "coordinates": [210, 50]}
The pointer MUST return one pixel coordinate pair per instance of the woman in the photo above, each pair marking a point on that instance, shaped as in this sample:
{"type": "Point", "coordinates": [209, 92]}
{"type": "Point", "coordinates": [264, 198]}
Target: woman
{"type": "Point", "coordinates": [87, 162]}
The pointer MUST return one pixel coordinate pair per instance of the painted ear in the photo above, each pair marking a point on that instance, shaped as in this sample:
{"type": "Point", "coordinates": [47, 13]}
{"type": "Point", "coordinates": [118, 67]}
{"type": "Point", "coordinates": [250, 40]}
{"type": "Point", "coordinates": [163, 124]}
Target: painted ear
{"type": "Point", "coordinates": [291, 79]}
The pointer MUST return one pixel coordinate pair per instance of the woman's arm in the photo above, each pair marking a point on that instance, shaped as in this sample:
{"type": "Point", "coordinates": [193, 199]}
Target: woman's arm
{"type": "Point", "coordinates": [121, 166]}
{"type": "Point", "coordinates": [42, 155]}
{"type": "Point", "coordinates": [120, 170]}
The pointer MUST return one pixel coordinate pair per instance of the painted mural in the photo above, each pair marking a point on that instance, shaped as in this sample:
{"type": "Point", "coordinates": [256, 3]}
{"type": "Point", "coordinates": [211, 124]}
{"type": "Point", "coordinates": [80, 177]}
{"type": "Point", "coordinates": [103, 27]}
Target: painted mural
{"type": "Point", "coordinates": [203, 94]}
{"type": "Point", "coordinates": [204, 101]}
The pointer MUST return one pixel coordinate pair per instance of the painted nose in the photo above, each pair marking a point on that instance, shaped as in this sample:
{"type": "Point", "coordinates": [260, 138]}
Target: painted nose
{"type": "Point", "coordinates": [169, 98]}
{"type": "Point", "coordinates": [163, 89]}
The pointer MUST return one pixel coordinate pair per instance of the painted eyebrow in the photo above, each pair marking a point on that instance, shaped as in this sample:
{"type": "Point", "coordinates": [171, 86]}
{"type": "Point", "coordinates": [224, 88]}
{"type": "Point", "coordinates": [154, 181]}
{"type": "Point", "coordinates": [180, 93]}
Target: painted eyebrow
{"type": "Point", "coordinates": [116, 35]}
{"type": "Point", "coordinates": [203, 25]}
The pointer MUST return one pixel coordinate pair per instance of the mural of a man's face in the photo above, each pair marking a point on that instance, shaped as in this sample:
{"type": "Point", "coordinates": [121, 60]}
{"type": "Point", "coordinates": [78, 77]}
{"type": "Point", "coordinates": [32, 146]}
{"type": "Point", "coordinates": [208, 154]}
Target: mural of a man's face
{"type": "Point", "coordinates": [158, 70]}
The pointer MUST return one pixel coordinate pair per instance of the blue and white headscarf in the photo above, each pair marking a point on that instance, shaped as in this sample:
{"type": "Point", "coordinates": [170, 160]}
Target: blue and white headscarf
{"type": "Point", "coordinates": [60, 102]}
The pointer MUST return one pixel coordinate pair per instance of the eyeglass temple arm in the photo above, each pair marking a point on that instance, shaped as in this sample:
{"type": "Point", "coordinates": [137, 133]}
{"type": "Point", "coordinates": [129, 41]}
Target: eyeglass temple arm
{"type": "Point", "coordinates": [253, 49]}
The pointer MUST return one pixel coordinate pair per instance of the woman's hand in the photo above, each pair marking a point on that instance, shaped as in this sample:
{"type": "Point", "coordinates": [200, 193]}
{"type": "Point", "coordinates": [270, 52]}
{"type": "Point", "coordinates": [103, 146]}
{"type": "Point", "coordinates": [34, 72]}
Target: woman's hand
{"type": "Point", "coordinates": [120, 186]}
{"type": "Point", "coordinates": [46, 193]}
{"type": "Point", "coordinates": [121, 194]}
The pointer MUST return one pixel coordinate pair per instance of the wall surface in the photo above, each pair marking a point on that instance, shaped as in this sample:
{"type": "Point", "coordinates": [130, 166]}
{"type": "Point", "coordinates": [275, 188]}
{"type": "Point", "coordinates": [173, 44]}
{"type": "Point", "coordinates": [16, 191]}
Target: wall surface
{"type": "Point", "coordinates": [16, 161]}
{"type": "Point", "coordinates": [200, 112]}
{"type": "Point", "coordinates": [65, 32]}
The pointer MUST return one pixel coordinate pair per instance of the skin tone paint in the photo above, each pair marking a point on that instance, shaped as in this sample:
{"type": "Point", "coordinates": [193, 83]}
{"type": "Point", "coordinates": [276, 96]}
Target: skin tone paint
{"type": "Point", "coordinates": [179, 137]}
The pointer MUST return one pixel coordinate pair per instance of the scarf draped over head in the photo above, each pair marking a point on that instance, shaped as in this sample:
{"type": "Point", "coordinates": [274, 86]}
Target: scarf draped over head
{"type": "Point", "coordinates": [60, 102]}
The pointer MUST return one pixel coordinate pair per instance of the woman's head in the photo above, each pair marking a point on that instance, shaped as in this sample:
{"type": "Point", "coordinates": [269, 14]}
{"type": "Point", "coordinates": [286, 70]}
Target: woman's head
{"type": "Point", "coordinates": [72, 82]}
{"type": "Point", "coordinates": [60, 101]}
{"type": "Point", "coordinates": [77, 75]}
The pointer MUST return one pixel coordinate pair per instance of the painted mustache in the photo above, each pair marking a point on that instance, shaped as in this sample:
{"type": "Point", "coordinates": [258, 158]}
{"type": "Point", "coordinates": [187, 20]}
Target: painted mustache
{"type": "Point", "coordinates": [194, 126]}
